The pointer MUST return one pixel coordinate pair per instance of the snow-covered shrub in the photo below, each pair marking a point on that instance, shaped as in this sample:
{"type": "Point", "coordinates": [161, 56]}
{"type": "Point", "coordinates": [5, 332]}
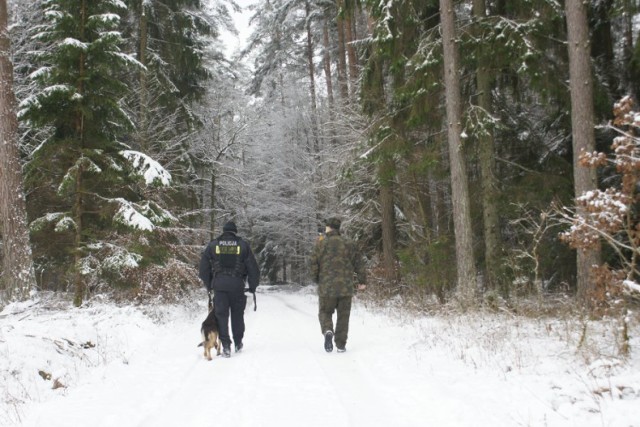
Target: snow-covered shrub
{"type": "Point", "coordinates": [168, 283]}
{"type": "Point", "coordinates": [610, 215]}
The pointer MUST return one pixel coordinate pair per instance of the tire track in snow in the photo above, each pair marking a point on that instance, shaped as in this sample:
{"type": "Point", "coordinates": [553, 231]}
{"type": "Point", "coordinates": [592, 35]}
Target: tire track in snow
{"type": "Point", "coordinates": [352, 387]}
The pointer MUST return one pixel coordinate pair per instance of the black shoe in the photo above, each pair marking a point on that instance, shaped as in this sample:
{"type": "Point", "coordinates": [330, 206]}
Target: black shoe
{"type": "Point", "coordinates": [226, 352]}
{"type": "Point", "coordinates": [328, 341]}
{"type": "Point", "coordinates": [239, 347]}
{"type": "Point", "coordinates": [342, 349]}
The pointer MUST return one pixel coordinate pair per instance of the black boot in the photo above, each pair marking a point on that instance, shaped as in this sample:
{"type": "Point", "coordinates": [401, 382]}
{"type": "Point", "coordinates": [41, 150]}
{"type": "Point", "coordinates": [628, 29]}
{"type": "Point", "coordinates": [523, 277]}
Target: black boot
{"type": "Point", "coordinates": [226, 351]}
{"type": "Point", "coordinates": [328, 341]}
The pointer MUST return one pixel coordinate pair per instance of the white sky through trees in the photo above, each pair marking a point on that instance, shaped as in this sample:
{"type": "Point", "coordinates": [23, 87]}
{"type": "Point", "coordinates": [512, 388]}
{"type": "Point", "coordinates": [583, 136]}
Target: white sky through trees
{"type": "Point", "coordinates": [233, 43]}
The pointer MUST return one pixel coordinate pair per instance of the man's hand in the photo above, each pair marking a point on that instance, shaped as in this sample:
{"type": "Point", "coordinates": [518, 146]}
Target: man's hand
{"type": "Point", "coordinates": [362, 287]}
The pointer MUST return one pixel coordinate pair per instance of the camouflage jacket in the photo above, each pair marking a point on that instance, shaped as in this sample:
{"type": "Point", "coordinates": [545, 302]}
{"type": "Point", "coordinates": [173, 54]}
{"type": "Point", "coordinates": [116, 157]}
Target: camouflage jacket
{"type": "Point", "coordinates": [334, 262]}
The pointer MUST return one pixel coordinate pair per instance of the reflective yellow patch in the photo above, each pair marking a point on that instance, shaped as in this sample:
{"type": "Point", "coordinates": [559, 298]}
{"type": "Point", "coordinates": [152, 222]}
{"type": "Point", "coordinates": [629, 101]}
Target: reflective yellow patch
{"type": "Point", "coordinates": [228, 250]}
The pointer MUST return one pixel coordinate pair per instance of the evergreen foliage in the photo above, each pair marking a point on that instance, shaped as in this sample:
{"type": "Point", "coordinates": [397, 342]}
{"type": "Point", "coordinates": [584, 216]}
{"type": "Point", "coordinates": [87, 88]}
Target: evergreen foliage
{"type": "Point", "coordinates": [88, 185]}
{"type": "Point", "coordinates": [332, 108]}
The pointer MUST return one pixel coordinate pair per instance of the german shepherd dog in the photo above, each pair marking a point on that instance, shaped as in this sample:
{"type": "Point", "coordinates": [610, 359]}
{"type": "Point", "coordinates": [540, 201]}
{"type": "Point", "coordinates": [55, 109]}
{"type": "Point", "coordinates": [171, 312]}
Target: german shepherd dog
{"type": "Point", "coordinates": [210, 335]}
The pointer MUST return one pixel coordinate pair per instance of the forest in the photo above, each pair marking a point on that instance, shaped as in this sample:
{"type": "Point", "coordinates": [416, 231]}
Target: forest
{"type": "Point", "coordinates": [479, 152]}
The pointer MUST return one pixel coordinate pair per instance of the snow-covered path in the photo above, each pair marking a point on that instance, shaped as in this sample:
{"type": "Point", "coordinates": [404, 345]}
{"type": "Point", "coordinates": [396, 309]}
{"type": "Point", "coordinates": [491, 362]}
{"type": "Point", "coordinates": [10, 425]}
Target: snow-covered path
{"type": "Point", "coordinates": [152, 374]}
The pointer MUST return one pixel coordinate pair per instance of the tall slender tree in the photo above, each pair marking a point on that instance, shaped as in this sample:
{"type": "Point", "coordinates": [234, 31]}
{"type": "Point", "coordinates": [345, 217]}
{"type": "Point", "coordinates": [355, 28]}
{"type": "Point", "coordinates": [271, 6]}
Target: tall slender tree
{"type": "Point", "coordinates": [459, 181]}
{"type": "Point", "coordinates": [582, 125]}
{"type": "Point", "coordinates": [486, 155]}
{"type": "Point", "coordinates": [348, 12]}
{"type": "Point", "coordinates": [375, 105]}
{"type": "Point", "coordinates": [312, 75]}
{"type": "Point", "coordinates": [343, 83]}
{"type": "Point", "coordinates": [18, 274]}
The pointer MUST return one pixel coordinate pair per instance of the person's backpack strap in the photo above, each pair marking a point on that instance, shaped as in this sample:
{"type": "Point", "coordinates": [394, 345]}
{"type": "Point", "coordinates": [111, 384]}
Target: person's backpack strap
{"type": "Point", "coordinates": [214, 261]}
{"type": "Point", "coordinates": [238, 270]}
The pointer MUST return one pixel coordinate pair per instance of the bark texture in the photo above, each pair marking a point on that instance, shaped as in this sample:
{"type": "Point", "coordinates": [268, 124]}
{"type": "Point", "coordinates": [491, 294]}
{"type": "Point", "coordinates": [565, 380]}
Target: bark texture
{"type": "Point", "coordinates": [466, 284]}
{"type": "Point", "coordinates": [582, 124]}
{"type": "Point", "coordinates": [18, 275]}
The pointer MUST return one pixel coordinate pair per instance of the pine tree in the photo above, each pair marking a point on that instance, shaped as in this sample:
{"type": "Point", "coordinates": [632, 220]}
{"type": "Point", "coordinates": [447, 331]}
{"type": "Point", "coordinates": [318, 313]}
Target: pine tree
{"type": "Point", "coordinates": [582, 119]}
{"type": "Point", "coordinates": [459, 181]}
{"type": "Point", "coordinates": [18, 275]}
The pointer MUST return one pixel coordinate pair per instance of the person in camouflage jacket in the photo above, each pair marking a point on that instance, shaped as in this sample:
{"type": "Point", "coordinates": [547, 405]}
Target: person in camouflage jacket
{"type": "Point", "coordinates": [334, 262]}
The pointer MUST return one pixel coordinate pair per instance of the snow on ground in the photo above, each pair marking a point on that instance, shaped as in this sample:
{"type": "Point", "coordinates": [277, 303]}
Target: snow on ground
{"type": "Point", "coordinates": [107, 365]}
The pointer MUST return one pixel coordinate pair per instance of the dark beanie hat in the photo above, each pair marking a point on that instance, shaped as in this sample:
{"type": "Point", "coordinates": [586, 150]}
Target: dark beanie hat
{"type": "Point", "coordinates": [230, 226]}
{"type": "Point", "coordinates": [334, 223]}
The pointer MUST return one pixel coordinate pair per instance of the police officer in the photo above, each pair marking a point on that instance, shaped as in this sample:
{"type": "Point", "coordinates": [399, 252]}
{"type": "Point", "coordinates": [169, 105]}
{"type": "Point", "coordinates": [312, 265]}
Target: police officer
{"type": "Point", "coordinates": [333, 263]}
{"type": "Point", "coordinates": [226, 263]}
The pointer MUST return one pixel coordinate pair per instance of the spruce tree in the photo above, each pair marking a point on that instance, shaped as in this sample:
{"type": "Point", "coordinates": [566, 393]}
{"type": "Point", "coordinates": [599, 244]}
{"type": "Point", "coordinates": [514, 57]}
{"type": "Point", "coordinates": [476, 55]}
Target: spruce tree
{"type": "Point", "coordinates": [88, 176]}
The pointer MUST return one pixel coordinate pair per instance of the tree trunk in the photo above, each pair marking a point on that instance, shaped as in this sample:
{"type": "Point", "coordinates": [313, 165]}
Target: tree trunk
{"type": "Point", "coordinates": [18, 274]}
{"type": "Point", "coordinates": [212, 210]}
{"type": "Point", "coordinates": [312, 80]}
{"type": "Point", "coordinates": [386, 171]}
{"type": "Point", "coordinates": [351, 51]}
{"type": "Point", "coordinates": [434, 203]}
{"type": "Point", "coordinates": [342, 61]}
{"type": "Point", "coordinates": [486, 155]}
{"type": "Point", "coordinates": [144, 104]}
{"type": "Point", "coordinates": [459, 181]}
{"type": "Point", "coordinates": [329, 80]}
{"type": "Point", "coordinates": [284, 269]}
{"type": "Point", "coordinates": [388, 219]}
{"type": "Point", "coordinates": [582, 123]}
{"type": "Point", "coordinates": [603, 46]}
{"type": "Point", "coordinates": [78, 207]}
{"type": "Point", "coordinates": [327, 64]}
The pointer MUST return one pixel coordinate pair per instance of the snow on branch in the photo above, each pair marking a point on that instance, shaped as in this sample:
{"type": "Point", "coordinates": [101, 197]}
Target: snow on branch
{"type": "Point", "coordinates": [105, 18]}
{"type": "Point", "coordinates": [609, 216]}
{"type": "Point", "coordinates": [118, 4]}
{"type": "Point", "coordinates": [71, 42]}
{"type": "Point", "coordinates": [128, 60]}
{"type": "Point", "coordinates": [631, 286]}
{"type": "Point", "coordinates": [128, 215]}
{"type": "Point", "coordinates": [145, 216]}
{"type": "Point", "coordinates": [63, 222]}
{"type": "Point", "coordinates": [108, 257]}
{"type": "Point", "coordinates": [148, 168]}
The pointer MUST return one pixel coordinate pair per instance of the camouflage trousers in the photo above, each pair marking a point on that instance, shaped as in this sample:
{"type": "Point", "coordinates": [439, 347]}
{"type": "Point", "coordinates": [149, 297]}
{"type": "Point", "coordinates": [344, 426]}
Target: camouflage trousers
{"type": "Point", "coordinates": [342, 306]}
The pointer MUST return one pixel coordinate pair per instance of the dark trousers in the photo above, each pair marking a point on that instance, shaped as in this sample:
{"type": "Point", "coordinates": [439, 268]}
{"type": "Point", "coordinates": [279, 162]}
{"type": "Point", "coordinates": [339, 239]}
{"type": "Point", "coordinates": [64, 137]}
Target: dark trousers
{"type": "Point", "coordinates": [234, 303]}
{"type": "Point", "coordinates": [342, 306]}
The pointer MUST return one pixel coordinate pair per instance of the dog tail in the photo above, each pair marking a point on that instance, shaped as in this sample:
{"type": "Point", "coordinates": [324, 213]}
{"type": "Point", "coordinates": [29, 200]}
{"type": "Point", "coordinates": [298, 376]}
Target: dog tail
{"type": "Point", "coordinates": [201, 344]}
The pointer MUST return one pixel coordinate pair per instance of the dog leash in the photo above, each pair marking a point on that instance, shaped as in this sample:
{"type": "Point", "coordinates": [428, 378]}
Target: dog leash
{"type": "Point", "coordinates": [210, 305]}
{"type": "Point", "coordinates": [255, 304]}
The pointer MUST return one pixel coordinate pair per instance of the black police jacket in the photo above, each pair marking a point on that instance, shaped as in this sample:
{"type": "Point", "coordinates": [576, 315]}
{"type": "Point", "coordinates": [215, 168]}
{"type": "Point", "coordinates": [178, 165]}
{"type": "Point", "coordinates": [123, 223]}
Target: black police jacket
{"type": "Point", "coordinates": [229, 281]}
